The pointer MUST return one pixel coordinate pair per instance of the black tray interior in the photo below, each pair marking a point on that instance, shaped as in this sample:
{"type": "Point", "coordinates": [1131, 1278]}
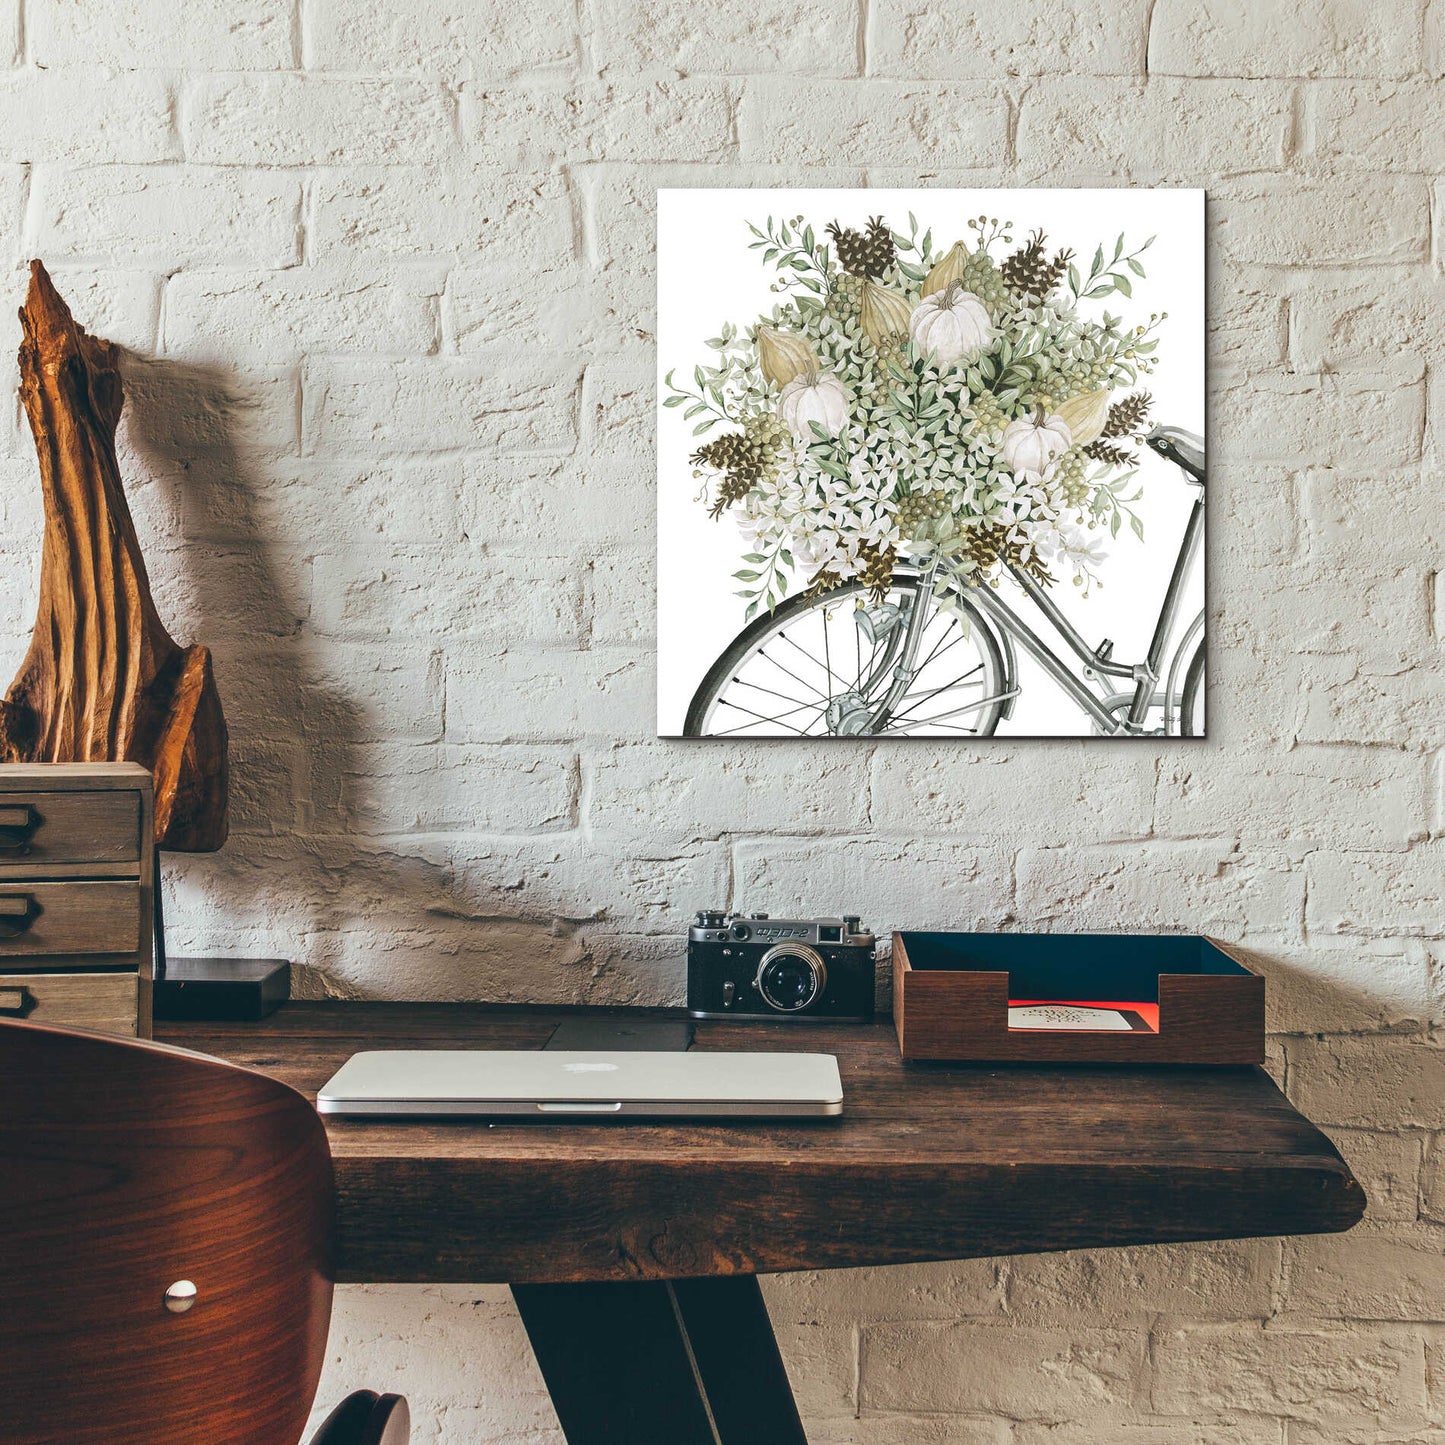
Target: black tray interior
{"type": "Point", "coordinates": [1117, 966]}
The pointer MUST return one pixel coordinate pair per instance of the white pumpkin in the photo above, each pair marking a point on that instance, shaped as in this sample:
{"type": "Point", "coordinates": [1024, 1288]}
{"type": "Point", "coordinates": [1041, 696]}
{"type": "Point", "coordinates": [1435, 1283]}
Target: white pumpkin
{"type": "Point", "coordinates": [1033, 443]}
{"type": "Point", "coordinates": [951, 323]}
{"type": "Point", "coordinates": [814, 397]}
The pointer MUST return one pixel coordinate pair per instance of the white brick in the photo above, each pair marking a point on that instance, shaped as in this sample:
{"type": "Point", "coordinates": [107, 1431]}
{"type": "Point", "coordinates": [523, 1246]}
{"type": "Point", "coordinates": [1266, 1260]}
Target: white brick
{"type": "Point", "coordinates": [86, 115]}
{"type": "Point", "coordinates": [717, 37]}
{"type": "Point", "coordinates": [1376, 894]}
{"type": "Point", "coordinates": [1376, 1272]}
{"type": "Point", "coordinates": [1361, 323]}
{"type": "Point", "coordinates": [1304, 795]}
{"type": "Point", "coordinates": [1368, 984]}
{"type": "Point", "coordinates": [368, 693]}
{"type": "Point", "coordinates": [1340, 508]}
{"type": "Point", "coordinates": [1389, 1168]}
{"type": "Point", "coordinates": [366, 407]}
{"type": "Point", "coordinates": [285, 315]}
{"type": "Point", "coordinates": [622, 598]}
{"type": "Point", "coordinates": [965, 1287]}
{"type": "Point", "coordinates": [1320, 1374]}
{"type": "Point", "coordinates": [655, 889]}
{"type": "Point", "coordinates": [1377, 127]}
{"type": "Point", "coordinates": [973, 39]}
{"type": "Point", "coordinates": [491, 304]}
{"type": "Point", "coordinates": [873, 123]}
{"type": "Point", "coordinates": [1008, 1370]}
{"type": "Point", "coordinates": [515, 499]}
{"type": "Point", "coordinates": [442, 210]}
{"type": "Point", "coordinates": [178, 410]}
{"type": "Point", "coordinates": [667, 789]}
{"type": "Point", "coordinates": [606, 692]}
{"type": "Point", "coordinates": [478, 595]}
{"type": "Point", "coordinates": [310, 120]}
{"type": "Point", "coordinates": [1348, 420]}
{"type": "Point", "coordinates": [662, 119]}
{"type": "Point", "coordinates": [924, 884]}
{"type": "Point", "coordinates": [165, 216]}
{"type": "Point", "coordinates": [1212, 888]}
{"type": "Point", "coordinates": [395, 501]}
{"type": "Point", "coordinates": [397, 789]}
{"type": "Point", "coordinates": [1076, 129]}
{"type": "Point", "coordinates": [1171, 1430]}
{"type": "Point", "coordinates": [1013, 795]}
{"type": "Point", "coordinates": [455, 38]}
{"type": "Point", "coordinates": [1232, 1280]}
{"type": "Point", "coordinates": [1369, 1081]}
{"type": "Point", "coordinates": [205, 34]}
{"type": "Point", "coordinates": [1237, 37]}
{"type": "Point", "coordinates": [1336, 221]}
{"type": "Point", "coordinates": [1248, 325]}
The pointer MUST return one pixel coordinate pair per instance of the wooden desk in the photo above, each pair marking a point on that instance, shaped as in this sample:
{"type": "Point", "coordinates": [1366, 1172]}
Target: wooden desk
{"type": "Point", "coordinates": [631, 1247]}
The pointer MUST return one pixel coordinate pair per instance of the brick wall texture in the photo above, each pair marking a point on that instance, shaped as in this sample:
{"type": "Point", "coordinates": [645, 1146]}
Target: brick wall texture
{"type": "Point", "coordinates": [385, 268]}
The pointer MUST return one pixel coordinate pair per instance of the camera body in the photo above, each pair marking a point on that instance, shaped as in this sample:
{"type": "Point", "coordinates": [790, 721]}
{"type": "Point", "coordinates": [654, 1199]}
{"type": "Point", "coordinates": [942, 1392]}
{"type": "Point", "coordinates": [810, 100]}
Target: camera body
{"type": "Point", "coordinates": [750, 966]}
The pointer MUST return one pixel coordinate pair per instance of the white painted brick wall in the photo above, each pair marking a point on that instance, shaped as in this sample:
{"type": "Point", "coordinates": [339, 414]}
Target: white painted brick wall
{"type": "Point", "coordinates": [386, 272]}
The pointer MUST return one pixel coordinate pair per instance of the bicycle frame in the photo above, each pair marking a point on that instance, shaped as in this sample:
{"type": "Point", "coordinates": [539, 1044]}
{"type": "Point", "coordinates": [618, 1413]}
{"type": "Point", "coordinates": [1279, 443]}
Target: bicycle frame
{"type": "Point", "coordinates": [1099, 661]}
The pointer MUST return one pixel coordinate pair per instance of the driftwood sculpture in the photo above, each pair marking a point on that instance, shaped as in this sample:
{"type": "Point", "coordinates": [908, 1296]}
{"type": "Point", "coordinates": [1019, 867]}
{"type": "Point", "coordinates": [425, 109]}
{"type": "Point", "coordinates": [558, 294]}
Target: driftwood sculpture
{"type": "Point", "coordinates": [103, 680]}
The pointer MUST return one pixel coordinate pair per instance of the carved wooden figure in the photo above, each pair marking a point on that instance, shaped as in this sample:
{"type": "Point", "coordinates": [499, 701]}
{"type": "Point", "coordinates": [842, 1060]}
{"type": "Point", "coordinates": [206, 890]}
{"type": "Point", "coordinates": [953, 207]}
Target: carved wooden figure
{"type": "Point", "coordinates": [103, 680]}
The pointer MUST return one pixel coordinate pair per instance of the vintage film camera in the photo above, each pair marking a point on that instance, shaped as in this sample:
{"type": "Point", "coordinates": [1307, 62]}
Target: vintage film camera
{"type": "Point", "coordinates": [750, 966]}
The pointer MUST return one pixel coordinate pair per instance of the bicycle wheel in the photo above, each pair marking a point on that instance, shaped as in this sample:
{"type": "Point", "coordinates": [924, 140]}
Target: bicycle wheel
{"type": "Point", "coordinates": [1191, 696]}
{"type": "Point", "coordinates": [821, 667]}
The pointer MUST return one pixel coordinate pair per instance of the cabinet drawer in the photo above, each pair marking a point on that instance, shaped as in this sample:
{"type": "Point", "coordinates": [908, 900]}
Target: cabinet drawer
{"type": "Point", "coordinates": [56, 919]}
{"type": "Point", "coordinates": [107, 1002]}
{"type": "Point", "coordinates": [79, 827]}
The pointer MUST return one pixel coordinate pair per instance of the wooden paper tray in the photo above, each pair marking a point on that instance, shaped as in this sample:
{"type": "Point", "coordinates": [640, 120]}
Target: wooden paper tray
{"type": "Point", "coordinates": [951, 995]}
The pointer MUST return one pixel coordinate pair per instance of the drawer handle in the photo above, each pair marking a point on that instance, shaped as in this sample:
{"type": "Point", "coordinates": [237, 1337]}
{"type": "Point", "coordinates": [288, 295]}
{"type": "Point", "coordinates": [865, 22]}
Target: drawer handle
{"type": "Point", "coordinates": [18, 823]}
{"type": "Point", "coordinates": [17, 912]}
{"type": "Point", "coordinates": [15, 1003]}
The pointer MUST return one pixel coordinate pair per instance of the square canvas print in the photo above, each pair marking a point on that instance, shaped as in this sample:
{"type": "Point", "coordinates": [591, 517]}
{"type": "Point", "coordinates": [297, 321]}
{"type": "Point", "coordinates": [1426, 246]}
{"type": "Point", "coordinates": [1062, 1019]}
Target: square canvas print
{"type": "Point", "coordinates": [931, 463]}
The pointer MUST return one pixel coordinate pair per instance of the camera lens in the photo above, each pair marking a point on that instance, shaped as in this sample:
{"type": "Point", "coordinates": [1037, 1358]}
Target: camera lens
{"type": "Point", "coordinates": [790, 977]}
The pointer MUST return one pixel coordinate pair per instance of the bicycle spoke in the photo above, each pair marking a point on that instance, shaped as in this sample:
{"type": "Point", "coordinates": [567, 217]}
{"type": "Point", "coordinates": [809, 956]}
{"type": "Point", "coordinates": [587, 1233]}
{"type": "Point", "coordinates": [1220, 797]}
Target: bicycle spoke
{"type": "Point", "coordinates": [758, 687]}
{"type": "Point", "coordinates": [957, 682]}
{"type": "Point", "coordinates": [737, 707]}
{"type": "Point", "coordinates": [792, 674]}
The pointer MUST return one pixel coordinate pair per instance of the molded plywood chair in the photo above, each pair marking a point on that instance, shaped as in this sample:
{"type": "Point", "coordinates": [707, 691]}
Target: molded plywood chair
{"type": "Point", "coordinates": [165, 1230]}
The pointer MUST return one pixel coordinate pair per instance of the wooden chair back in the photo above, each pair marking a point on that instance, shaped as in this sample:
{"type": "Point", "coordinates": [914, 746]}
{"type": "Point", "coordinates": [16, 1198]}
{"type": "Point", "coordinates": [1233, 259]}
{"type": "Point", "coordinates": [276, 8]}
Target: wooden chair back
{"type": "Point", "coordinates": [126, 1168]}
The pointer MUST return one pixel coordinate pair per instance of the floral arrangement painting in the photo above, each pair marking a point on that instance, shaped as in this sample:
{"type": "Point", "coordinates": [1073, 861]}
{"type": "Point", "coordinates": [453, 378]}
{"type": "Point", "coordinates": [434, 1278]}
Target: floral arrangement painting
{"type": "Point", "coordinates": [934, 400]}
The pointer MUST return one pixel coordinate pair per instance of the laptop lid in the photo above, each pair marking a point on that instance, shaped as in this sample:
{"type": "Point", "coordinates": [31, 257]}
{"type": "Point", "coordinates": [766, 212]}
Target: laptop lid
{"type": "Point", "coordinates": [584, 1083]}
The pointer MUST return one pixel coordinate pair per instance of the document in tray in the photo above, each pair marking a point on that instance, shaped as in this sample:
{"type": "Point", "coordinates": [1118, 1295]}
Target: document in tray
{"type": "Point", "coordinates": [1069, 1017]}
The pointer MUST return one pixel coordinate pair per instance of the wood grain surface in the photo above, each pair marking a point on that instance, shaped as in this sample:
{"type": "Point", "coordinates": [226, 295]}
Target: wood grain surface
{"type": "Point", "coordinates": [103, 680]}
{"type": "Point", "coordinates": [928, 1161]}
{"type": "Point", "coordinates": [123, 1169]}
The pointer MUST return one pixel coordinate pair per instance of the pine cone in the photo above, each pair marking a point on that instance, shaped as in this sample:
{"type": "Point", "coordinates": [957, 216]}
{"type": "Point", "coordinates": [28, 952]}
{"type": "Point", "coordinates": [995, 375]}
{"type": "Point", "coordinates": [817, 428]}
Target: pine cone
{"type": "Point", "coordinates": [864, 255]}
{"type": "Point", "coordinates": [824, 581]}
{"type": "Point", "coordinates": [1103, 451]}
{"type": "Point", "coordinates": [1028, 272]}
{"type": "Point", "coordinates": [984, 545]}
{"type": "Point", "coordinates": [1127, 415]}
{"type": "Point", "coordinates": [877, 574]}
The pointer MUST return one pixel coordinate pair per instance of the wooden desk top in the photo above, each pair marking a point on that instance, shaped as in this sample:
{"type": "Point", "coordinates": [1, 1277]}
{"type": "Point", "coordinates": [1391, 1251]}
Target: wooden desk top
{"type": "Point", "coordinates": [928, 1162]}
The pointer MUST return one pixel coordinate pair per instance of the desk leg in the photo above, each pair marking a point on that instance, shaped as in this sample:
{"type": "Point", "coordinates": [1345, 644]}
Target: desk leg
{"type": "Point", "coordinates": [685, 1362]}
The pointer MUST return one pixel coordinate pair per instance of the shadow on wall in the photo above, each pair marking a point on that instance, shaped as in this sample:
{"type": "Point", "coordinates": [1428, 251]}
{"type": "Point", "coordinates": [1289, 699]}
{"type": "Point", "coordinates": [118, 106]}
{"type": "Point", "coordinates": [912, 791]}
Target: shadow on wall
{"type": "Point", "coordinates": [433, 917]}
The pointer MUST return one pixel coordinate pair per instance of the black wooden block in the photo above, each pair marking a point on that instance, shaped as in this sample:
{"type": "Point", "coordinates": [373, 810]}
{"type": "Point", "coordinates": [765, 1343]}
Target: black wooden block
{"type": "Point", "coordinates": [230, 989]}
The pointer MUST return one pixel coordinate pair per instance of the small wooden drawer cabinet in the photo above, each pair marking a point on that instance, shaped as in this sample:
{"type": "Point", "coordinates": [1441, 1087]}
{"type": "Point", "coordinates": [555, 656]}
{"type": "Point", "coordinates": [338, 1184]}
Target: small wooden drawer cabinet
{"type": "Point", "coordinates": [77, 895]}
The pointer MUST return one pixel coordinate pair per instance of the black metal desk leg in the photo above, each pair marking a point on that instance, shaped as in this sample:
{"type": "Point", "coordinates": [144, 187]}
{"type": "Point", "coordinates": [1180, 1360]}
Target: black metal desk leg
{"type": "Point", "coordinates": [690, 1362]}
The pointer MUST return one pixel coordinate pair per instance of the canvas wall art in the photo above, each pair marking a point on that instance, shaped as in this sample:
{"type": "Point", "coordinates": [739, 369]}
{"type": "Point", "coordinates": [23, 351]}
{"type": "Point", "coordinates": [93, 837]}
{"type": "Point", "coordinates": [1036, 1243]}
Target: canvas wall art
{"type": "Point", "coordinates": [931, 463]}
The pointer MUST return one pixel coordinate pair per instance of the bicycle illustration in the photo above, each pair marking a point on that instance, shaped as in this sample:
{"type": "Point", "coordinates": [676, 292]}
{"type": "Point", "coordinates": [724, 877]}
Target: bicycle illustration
{"type": "Point", "coordinates": [847, 664]}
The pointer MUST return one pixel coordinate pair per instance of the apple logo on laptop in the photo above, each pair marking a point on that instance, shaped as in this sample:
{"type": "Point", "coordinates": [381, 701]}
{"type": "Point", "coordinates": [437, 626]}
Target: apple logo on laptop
{"type": "Point", "coordinates": [589, 1068]}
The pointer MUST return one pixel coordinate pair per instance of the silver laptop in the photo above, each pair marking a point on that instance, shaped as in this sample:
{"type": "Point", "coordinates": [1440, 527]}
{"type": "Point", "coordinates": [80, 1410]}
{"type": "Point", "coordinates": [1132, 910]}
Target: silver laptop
{"type": "Point", "coordinates": [558, 1083]}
